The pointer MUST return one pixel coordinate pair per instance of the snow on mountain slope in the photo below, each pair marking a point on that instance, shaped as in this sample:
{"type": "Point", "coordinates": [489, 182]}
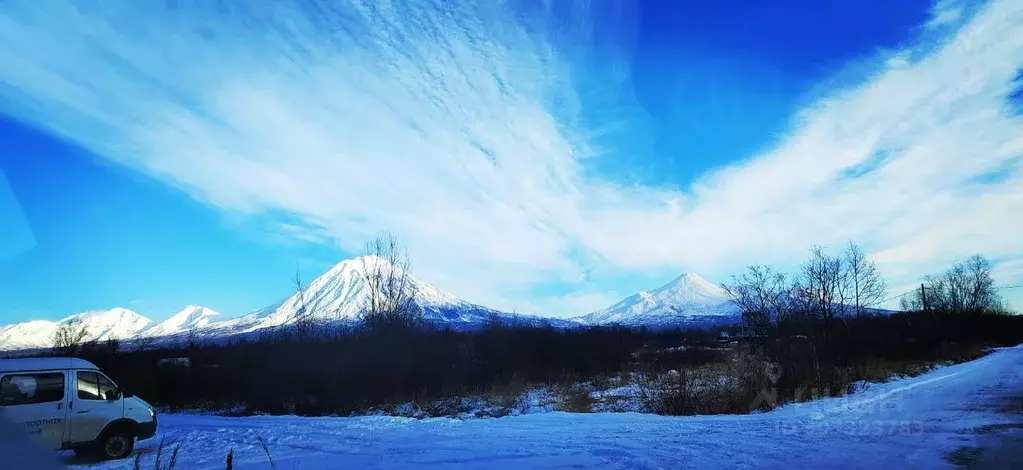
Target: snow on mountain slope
{"type": "Point", "coordinates": [116, 323]}
{"type": "Point", "coordinates": [341, 294]}
{"type": "Point", "coordinates": [30, 334]}
{"type": "Point", "coordinates": [100, 325]}
{"type": "Point", "coordinates": [688, 298]}
{"type": "Point", "coordinates": [192, 317]}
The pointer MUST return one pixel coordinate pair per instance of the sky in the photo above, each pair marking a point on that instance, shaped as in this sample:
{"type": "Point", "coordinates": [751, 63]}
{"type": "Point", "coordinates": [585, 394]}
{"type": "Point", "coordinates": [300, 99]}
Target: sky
{"type": "Point", "coordinates": [546, 157]}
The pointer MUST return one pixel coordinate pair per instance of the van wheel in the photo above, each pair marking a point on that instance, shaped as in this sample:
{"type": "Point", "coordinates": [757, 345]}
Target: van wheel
{"type": "Point", "coordinates": [116, 445]}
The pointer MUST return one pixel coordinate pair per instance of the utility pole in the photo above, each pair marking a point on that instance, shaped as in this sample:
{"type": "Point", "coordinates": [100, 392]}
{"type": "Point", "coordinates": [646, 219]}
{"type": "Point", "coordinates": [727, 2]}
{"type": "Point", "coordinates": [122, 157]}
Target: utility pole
{"type": "Point", "coordinates": [923, 296]}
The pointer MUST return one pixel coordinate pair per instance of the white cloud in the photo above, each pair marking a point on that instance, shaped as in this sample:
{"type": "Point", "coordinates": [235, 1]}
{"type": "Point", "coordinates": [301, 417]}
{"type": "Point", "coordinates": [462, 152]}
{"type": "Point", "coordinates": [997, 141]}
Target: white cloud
{"type": "Point", "coordinates": [461, 132]}
{"type": "Point", "coordinates": [571, 304]}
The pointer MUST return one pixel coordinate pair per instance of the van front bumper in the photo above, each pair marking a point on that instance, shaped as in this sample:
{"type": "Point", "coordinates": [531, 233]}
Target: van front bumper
{"type": "Point", "coordinates": [146, 430]}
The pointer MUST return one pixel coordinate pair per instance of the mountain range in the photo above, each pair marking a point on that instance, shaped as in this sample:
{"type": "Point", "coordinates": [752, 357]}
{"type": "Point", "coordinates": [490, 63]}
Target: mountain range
{"type": "Point", "coordinates": [340, 294]}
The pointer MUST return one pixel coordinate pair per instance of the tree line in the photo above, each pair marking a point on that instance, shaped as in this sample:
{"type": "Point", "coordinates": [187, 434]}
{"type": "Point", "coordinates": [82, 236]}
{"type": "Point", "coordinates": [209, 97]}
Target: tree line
{"type": "Point", "coordinates": [827, 286]}
{"type": "Point", "coordinates": [820, 328]}
{"type": "Point", "coordinates": [823, 326]}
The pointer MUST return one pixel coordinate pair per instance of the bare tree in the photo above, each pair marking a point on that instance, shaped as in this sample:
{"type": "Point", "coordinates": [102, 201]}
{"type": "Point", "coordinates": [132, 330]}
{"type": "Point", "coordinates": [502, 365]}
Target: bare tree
{"type": "Point", "coordinates": [981, 294]}
{"type": "Point", "coordinates": [391, 293]}
{"type": "Point", "coordinates": [966, 287]}
{"type": "Point", "coordinates": [824, 280]}
{"type": "Point", "coordinates": [866, 288]}
{"type": "Point", "coordinates": [912, 302]}
{"type": "Point", "coordinates": [801, 304]}
{"type": "Point", "coordinates": [304, 326]}
{"type": "Point", "coordinates": [758, 292]}
{"type": "Point", "coordinates": [296, 280]}
{"type": "Point", "coordinates": [69, 337]}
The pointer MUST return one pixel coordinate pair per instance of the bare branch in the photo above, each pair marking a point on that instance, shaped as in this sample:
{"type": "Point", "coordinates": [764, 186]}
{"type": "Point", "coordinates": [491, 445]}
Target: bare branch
{"type": "Point", "coordinates": [304, 326]}
{"type": "Point", "coordinates": [825, 282]}
{"type": "Point", "coordinates": [866, 287]}
{"type": "Point", "coordinates": [966, 287]}
{"type": "Point", "coordinates": [758, 293]}
{"type": "Point", "coordinates": [69, 337]}
{"type": "Point", "coordinates": [391, 293]}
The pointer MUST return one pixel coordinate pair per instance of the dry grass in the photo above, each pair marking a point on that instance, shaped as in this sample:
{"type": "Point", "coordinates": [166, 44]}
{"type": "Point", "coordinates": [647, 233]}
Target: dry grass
{"type": "Point", "coordinates": [506, 398]}
{"type": "Point", "coordinates": [741, 384]}
{"type": "Point", "coordinates": [158, 458]}
{"type": "Point", "coordinates": [266, 450]}
{"type": "Point", "coordinates": [574, 398]}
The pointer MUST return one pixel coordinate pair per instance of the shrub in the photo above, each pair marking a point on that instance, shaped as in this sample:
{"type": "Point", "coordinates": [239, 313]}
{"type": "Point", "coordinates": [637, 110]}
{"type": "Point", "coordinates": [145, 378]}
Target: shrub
{"type": "Point", "coordinates": [574, 398]}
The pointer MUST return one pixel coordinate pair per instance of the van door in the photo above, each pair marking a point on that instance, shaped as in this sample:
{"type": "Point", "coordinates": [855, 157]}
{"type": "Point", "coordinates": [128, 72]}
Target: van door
{"type": "Point", "coordinates": [35, 401]}
{"type": "Point", "coordinates": [95, 405]}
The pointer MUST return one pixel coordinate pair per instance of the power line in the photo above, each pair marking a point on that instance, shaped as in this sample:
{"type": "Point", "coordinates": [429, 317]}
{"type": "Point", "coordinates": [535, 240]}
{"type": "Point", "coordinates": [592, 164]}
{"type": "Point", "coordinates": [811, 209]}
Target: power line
{"type": "Point", "coordinates": [900, 295]}
{"type": "Point", "coordinates": [915, 289]}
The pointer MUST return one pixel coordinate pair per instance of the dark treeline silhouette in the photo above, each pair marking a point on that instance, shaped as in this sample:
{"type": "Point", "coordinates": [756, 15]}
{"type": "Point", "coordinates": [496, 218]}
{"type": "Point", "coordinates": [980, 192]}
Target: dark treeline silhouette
{"type": "Point", "coordinates": [820, 333]}
{"type": "Point", "coordinates": [357, 369]}
{"type": "Point", "coordinates": [799, 358]}
{"type": "Point", "coordinates": [811, 334]}
{"type": "Point", "coordinates": [826, 360]}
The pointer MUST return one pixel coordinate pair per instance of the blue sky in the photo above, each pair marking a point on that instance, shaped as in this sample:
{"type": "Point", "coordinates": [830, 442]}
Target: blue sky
{"type": "Point", "coordinates": [91, 235]}
{"type": "Point", "coordinates": [546, 157]}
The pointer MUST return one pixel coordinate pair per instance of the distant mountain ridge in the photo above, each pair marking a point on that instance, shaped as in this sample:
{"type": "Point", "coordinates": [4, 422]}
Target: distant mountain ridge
{"type": "Point", "coordinates": [99, 325]}
{"type": "Point", "coordinates": [338, 295]}
{"type": "Point", "coordinates": [192, 317]}
{"type": "Point", "coordinates": [687, 300]}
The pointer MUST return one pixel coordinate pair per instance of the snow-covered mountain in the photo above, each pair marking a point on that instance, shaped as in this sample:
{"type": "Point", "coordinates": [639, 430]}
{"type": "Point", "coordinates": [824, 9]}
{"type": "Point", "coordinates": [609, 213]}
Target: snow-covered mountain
{"type": "Point", "coordinates": [688, 299]}
{"type": "Point", "coordinates": [116, 323]}
{"type": "Point", "coordinates": [339, 295]}
{"type": "Point", "coordinates": [192, 317]}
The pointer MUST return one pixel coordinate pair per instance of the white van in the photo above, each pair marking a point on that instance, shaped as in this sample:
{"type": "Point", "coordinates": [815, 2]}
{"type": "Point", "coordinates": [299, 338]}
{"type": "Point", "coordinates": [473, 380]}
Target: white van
{"type": "Point", "coordinates": [66, 403]}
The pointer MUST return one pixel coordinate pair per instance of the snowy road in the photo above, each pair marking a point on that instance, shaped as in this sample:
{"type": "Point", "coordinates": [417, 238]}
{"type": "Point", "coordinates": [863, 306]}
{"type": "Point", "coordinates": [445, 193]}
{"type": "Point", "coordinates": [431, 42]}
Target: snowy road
{"type": "Point", "coordinates": [913, 423]}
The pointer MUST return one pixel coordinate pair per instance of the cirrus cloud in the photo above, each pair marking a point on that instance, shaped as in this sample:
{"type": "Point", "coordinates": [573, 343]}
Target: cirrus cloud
{"type": "Point", "coordinates": [460, 128]}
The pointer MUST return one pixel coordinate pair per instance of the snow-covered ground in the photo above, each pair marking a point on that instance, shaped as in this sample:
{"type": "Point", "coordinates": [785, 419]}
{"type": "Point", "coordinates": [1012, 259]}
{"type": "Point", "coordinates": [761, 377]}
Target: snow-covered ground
{"type": "Point", "coordinates": [911, 423]}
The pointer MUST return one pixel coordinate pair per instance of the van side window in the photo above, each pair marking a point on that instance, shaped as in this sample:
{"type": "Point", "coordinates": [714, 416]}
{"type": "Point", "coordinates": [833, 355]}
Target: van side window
{"type": "Point", "coordinates": [95, 386]}
{"type": "Point", "coordinates": [27, 389]}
